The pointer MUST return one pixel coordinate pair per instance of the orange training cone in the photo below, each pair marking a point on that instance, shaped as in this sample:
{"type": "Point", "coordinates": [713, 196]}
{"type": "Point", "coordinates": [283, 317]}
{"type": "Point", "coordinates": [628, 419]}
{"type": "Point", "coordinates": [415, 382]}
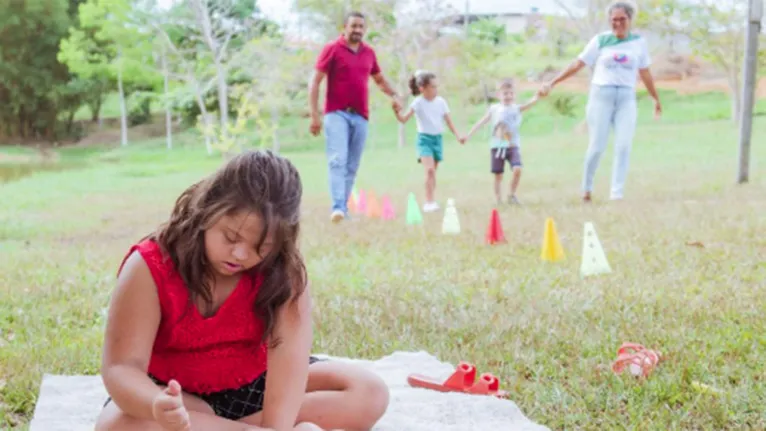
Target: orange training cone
{"type": "Point", "coordinates": [351, 204]}
{"type": "Point", "coordinates": [495, 233]}
{"type": "Point", "coordinates": [373, 207]}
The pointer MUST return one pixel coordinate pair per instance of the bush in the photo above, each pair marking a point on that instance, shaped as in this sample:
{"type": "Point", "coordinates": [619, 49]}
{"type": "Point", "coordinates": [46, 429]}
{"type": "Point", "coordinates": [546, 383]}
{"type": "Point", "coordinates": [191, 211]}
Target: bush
{"type": "Point", "coordinates": [140, 108]}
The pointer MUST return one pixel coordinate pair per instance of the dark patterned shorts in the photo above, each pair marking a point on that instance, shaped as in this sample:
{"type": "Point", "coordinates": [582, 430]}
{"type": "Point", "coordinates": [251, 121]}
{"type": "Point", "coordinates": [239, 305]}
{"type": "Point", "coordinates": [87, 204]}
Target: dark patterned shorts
{"type": "Point", "coordinates": [234, 404]}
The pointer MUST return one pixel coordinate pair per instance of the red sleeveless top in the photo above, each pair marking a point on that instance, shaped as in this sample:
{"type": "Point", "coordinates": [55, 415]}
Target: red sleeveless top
{"type": "Point", "coordinates": [204, 355]}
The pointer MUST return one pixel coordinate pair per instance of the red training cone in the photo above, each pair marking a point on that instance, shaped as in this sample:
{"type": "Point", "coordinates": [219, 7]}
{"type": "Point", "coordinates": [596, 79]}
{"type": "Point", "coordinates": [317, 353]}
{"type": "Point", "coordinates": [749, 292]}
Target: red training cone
{"type": "Point", "coordinates": [495, 233]}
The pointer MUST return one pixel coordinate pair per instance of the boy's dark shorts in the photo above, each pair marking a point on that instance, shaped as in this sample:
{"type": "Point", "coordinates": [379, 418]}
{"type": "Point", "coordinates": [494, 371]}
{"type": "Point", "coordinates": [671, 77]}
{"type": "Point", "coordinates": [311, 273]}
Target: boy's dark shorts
{"type": "Point", "coordinates": [234, 404]}
{"type": "Point", "coordinates": [500, 155]}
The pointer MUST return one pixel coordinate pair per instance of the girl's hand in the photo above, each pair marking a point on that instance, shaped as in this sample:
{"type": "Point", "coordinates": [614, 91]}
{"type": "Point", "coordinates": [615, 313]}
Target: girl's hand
{"type": "Point", "coordinates": [168, 409]}
{"type": "Point", "coordinates": [657, 109]}
{"type": "Point", "coordinates": [395, 105]}
{"type": "Point", "coordinates": [462, 140]}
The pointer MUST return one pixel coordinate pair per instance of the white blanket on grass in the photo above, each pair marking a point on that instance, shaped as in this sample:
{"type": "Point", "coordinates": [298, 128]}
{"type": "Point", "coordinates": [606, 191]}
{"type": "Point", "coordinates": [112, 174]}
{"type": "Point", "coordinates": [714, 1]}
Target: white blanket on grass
{"type": "Point", "coordinates": [71, 403]}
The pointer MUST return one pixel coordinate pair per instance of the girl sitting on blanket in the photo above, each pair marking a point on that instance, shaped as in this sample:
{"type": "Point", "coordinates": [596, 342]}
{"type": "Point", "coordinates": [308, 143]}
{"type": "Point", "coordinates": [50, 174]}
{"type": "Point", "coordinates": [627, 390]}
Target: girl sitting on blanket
{"type": "Point", "coordinates": [214, 298]}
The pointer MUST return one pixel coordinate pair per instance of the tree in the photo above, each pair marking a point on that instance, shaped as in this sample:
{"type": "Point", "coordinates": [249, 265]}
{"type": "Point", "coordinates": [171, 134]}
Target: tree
{"type": "Point", "coordinates": [84, 55]}
{"type": "Point", "coordinates": [205, 42]}
{"type": "Point", "coordinates": [716, 30]}
{"type": "Point", "coordinates": [278, 76]}
{"type": "Point", "coordinates": [111, 44]}
{"type": "Point", "coordinates": [589, 16]}
{"type": "Point", "coordinates": [32, 81]}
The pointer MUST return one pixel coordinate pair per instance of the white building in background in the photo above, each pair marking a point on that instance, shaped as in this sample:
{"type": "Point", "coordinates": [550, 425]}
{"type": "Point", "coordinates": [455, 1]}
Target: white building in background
{"type": "Point", "coordinates": [515, 15]}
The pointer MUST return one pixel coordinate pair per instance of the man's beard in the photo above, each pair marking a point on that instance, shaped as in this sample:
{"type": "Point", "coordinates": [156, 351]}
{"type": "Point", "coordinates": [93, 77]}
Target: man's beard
{"type": "Point", "coordinates": [356, 37]}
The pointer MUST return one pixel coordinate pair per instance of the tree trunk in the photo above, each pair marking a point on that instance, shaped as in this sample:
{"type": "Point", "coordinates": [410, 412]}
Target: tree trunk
{"type": "Point", "coordinates": [95, 109]}
{"type": "Point", "coordinates": [168, 109]}
{"type": "Point", "coordinates": [216, 51]}
{"type": "Point", "coordinates": [70, 121]}
{"type": "Point", "coordinates": [123, 108]}
{"type": "Point", "coordinates": [736, 96]}
{"type": "Point", "coordinates": [275, 135]}
{"type": "Point", "coordinates": [205, 118]}
{"type": "Point", "coordinates": [223, 98]}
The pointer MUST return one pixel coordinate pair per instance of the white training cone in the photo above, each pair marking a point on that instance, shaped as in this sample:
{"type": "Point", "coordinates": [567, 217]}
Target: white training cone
{"type": "Point", "coordinates": [450, 223]}
{"type": "Point", "coordinates": [593, 258]}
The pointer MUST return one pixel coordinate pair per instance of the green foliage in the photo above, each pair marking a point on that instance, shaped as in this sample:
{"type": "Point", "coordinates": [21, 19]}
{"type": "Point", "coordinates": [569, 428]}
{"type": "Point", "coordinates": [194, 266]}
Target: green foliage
{"type": "Point", "coordinates": [139, 107]}
{"type": "Point", "coordinates": [112, 36]}
{"type": "Point", "coordinates": [32, 82]}
{"type": "Point", "coordinates": [240, 136]}
{"type": "Point", "coordinates": [563, 104]}
{"type": "Point", "coordinates": [488, 30]}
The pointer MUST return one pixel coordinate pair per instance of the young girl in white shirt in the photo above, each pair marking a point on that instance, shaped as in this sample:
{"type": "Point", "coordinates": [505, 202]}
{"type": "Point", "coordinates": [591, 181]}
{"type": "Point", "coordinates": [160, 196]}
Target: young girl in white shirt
{"type": "Point", "coordinates": [431, 113]}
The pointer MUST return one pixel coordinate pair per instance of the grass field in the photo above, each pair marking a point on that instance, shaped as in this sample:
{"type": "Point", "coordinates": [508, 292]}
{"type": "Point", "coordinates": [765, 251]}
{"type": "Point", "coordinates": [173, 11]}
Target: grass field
{"type": "Point", "coordinates": [383, 286]}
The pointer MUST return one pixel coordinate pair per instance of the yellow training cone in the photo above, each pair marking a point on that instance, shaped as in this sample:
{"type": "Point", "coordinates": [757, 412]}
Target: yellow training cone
{"type": "Point", "coordinates": [552, 249]}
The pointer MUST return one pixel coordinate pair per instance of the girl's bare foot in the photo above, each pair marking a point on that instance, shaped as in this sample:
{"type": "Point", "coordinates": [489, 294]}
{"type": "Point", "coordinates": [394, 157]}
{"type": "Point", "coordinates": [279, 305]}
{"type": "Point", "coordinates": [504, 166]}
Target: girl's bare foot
{"type": "Point", "coordinates": [586, 197]}
{"type": "Point", "coordinates": [169, 411]}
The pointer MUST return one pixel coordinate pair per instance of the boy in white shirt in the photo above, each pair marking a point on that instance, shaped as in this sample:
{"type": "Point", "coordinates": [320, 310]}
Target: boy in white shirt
{"type": "Point", "coordinates": [431, 113]}
{"type": "Point", "coordinates": [505, 145]}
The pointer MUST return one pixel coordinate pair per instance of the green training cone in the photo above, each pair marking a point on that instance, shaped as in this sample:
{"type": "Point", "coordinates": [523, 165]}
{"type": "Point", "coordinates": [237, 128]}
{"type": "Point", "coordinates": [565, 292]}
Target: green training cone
{"type": "Point", "coordinates": [413, 211]}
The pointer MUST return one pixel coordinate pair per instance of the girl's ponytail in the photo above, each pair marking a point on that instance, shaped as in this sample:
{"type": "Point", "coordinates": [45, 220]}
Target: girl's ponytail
{"type": "Point", "coordinates": [421, 78]}
{"type": "Point", "coordinates": [414, 85]}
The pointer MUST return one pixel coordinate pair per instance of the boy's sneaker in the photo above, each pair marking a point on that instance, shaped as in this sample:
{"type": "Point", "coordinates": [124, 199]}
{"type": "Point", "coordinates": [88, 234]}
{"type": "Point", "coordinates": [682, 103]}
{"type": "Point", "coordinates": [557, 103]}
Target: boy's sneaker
{"type": "Point", "coordinates": [337, 216]}
{"type": "Point", "coordinates": [513, 200]}
{"type": "Point", "coordinates": [430, 207]}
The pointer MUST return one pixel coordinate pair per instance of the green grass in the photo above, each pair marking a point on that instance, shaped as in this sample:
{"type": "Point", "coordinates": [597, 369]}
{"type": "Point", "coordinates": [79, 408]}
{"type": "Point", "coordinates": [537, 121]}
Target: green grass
{"type": "Point", "coordinates": [382, 286]}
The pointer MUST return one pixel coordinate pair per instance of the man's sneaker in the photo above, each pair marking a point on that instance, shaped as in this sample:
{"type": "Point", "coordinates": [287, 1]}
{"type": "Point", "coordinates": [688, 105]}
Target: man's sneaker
{"type": "Point", "coordinates": [337, 216]}
{"type": "Point", "coordinates": [430, 207]}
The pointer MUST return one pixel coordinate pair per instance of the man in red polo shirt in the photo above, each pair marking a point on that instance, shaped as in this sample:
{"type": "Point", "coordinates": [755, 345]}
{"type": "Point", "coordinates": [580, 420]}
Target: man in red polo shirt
{"type": "Point", "coordinates": [348, 64]}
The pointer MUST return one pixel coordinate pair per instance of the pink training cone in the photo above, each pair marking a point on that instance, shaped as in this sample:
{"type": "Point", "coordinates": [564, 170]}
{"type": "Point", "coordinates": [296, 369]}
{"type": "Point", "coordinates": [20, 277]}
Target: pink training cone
{"type": "Point", "coordinates": [361, 204]}
{"type": "Point", "coordinates": [388, 209]}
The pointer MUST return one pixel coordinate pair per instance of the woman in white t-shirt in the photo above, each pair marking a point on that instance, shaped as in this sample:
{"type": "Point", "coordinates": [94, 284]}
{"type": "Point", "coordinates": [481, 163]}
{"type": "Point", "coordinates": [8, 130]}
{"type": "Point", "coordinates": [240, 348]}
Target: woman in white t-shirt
{"type": "Point", "coordinates": [431, 113]}
{"type": "Point", "coordinates": [617, 57]}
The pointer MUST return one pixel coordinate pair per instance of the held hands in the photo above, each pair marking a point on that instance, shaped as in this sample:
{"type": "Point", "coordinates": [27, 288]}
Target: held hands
{"type": "Point", "coordinates": [169, 411]}
{"type": "Point", "coordinates": [396, 103]}
{"type": "Point", "coordinates": [544, 90]}
{"type": "Point", "coordinates": [462, 139]}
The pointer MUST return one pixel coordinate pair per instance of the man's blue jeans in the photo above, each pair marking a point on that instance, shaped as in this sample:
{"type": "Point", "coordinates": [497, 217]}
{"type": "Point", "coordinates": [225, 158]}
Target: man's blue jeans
{"type": "Point", "coordinates": [346, 134]}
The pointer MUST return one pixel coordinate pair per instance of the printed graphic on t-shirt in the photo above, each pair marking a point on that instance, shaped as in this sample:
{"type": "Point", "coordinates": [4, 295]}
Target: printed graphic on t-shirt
{"type": "Point", "coordinates": [617, 60]}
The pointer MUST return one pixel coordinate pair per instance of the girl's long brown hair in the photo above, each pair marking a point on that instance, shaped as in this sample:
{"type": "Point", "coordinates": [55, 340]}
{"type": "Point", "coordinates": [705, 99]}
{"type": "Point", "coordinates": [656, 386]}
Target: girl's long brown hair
{"type": "Point", "coordinates": [259, 182]}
